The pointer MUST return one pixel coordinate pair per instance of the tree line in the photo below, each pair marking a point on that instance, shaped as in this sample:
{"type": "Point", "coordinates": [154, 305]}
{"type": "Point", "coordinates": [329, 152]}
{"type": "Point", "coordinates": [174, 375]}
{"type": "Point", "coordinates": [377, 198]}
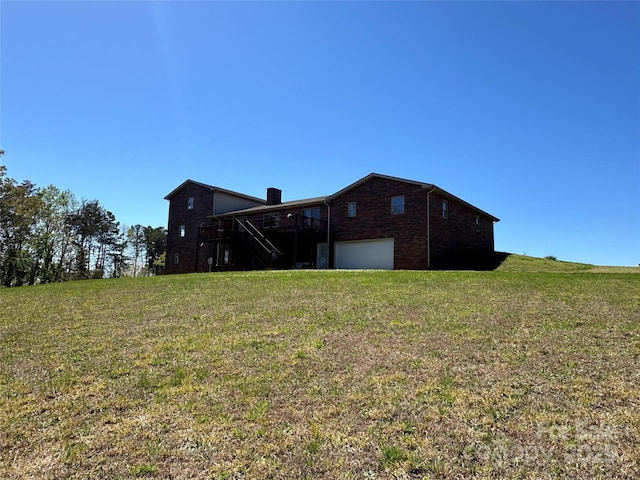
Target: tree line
{"type": "Point", "coordinates": [48, 235]}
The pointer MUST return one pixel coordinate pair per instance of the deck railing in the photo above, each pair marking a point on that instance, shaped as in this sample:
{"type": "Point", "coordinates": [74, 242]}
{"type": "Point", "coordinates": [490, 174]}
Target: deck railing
{"type": "Point", "coordinates": [224, 228]}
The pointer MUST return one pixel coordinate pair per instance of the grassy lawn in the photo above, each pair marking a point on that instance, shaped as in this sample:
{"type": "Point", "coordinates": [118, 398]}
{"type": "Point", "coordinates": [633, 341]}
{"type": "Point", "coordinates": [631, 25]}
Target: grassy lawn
{"type": "Point", "coordinates": [530, 371]}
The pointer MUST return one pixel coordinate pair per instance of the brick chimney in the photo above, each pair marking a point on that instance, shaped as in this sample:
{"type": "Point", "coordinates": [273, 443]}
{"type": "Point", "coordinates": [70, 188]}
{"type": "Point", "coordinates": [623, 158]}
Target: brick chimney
{"type": "Point", "coordinates": [274, 196]}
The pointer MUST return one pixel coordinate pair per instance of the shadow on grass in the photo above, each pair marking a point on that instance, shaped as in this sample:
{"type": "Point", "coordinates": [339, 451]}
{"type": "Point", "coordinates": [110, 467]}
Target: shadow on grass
{"type": "Point", "coordinates": [481, 261]}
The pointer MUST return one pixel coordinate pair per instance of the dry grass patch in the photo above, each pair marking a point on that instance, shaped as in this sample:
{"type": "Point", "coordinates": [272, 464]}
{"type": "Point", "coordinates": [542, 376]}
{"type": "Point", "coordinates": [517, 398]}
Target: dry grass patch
{"type": "Point", "coordinates": [323, 375]}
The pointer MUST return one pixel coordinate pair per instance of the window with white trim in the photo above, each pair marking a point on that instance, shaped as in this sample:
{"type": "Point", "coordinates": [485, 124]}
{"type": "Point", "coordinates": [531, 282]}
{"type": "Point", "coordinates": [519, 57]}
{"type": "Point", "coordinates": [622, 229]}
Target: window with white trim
{"type": "Point", "coordinates": [445, 209]}
{"type": "Point", "coordinates": [182, 231]}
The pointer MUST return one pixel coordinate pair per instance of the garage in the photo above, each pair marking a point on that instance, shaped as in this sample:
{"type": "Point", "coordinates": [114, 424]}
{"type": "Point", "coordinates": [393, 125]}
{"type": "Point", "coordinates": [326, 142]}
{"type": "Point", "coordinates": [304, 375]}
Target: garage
{"type": "Point", "coordinates": [374, 253]}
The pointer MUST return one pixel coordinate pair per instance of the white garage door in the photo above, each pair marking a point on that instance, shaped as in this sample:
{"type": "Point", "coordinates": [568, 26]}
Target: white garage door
{"type": "Point", "coordinates": [376, 253]}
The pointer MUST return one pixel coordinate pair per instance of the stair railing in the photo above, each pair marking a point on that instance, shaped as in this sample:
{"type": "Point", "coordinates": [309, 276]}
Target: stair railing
{"type": "Point", "coordinates": [265, 244]}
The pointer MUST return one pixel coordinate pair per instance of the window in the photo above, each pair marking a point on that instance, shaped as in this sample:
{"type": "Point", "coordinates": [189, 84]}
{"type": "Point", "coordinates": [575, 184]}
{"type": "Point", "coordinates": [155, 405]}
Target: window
{"type": "Point", "coordinates": [190, 203]}
{"type": "Point", "coordinates": [176, 258]}
{"type": "Point", "coordinates": [183, 231]}
{"type": "Point", "coordinates": [477, 221]}
{"type": "Point", "coordinates": [351, 209]}
{"type": "Point", "coordinates": [397, 205]}
{"type": "Point", "coordinates": [311, 217]}
{"type": "Point", "coordinates": [270, 221]}
{"type": "Point", "coordinates": [445, 209]}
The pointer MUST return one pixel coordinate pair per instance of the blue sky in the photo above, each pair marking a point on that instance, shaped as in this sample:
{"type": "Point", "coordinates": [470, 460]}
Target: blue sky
{"type": "Point", "coordinates": [529, 110]}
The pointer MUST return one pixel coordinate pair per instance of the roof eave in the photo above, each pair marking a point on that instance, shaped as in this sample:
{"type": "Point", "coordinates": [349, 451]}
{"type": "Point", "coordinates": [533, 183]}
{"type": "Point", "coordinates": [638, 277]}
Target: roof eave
{"type": "Point", "coordinates": [215, 189]}
{"type": "Point", "coordinates": [369, 177]}
{"type": "Point", "coordinates": [471, 206]}
{"type": "Point", "coordinates": [270, 208]}
{"type": "Point", "coordinates": [183, 184]}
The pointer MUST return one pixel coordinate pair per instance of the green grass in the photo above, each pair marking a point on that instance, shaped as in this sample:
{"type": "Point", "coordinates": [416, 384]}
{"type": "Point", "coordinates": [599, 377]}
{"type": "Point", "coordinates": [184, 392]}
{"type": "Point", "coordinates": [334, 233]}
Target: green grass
{"type": "Point", "coordinates": [523, 263]}
{"type": "Point", "coordinates": [506, 374]}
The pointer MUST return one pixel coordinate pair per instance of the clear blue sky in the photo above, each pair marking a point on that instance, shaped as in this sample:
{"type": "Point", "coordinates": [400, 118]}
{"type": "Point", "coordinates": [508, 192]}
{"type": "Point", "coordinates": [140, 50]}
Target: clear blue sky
{"type": "Point", "coordinates": [531, 111]}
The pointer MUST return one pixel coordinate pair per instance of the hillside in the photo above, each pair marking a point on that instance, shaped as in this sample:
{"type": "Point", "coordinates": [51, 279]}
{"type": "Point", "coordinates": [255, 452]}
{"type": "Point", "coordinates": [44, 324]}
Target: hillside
{"type": "Point", "coordinates": [324, 374]}
{"type": "Point", "coordinates": [524, 264]}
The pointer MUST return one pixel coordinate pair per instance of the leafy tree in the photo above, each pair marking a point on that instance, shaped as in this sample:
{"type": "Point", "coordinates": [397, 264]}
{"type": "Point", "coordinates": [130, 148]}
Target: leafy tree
{"type": "Point", "coordinates": [136, 239]}
{"type": "Point", "coordinates": [19, 207]}
{"type": "Point", "coordinates": [108, 240]}
{"type": "Point", "coordinates": [51, 236]}
{"type": "Point", "coordinates": [160, 263]}
{"type": "Point", "coordinates": [95, 232]}
{"type": "Point", "coordinates": [118, 255]}
{"type": "Point", "coordinates": [46, 235]}
{"type": "Point", "coordinates": [156, 246]}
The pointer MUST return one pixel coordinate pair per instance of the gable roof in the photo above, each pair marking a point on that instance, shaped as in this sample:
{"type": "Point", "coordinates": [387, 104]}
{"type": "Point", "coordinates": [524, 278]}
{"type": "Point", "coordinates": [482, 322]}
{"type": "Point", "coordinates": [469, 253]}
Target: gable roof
{"type": "Point", "coordinates": [213, 188]}
{"type": "Point", "coordinates": [424, 185]}
{"type": "Point", "coordinates": [459, 200]}
{"type": "Point", "coordinates": [377, 175]}
{"type": "Point", "coordinates": [329, 198]}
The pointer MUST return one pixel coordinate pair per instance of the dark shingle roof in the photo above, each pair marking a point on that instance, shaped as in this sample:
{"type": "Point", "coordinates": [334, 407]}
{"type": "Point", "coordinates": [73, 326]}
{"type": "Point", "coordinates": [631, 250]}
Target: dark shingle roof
{"type": "Point", "coordinates": [212, 187]}
{"type": "Point", "coordinates": [279, 206]}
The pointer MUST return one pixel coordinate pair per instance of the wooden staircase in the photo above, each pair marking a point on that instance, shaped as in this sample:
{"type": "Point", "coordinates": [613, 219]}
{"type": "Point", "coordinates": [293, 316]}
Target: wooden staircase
{"type": "Point", "coordinates": [260, 247]}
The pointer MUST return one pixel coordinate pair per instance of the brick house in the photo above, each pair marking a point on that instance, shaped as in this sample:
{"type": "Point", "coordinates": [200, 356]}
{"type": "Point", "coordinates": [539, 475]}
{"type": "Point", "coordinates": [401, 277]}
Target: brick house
{"type": "Point", "coordinates": [190, 205]}
{"type": "Point", "coordinates": [377, 222]}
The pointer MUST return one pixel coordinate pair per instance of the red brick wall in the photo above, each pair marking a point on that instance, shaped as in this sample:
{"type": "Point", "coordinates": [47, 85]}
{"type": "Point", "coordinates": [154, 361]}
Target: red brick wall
{"type": "Point", "coordinates": [455, 241]}
{"type": "Point", "coordinates": [179, 214]}
{"type": "Point", "coordinates": [374, 219]}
